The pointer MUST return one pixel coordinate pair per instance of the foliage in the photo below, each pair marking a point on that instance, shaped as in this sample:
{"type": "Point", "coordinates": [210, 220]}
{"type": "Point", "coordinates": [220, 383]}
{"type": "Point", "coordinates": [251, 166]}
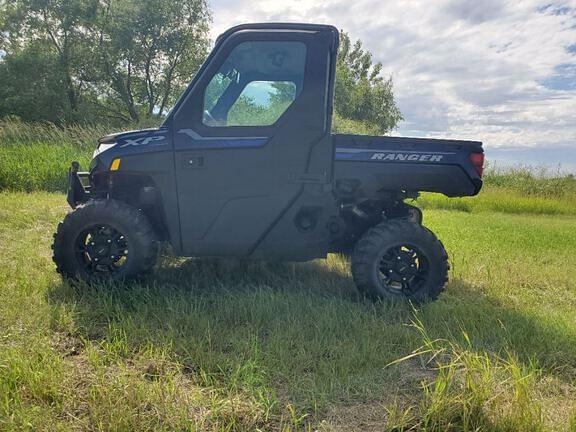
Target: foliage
{"type": "Point", "coordinates": [33, 86]}
{"type": "Point", "coordinates": [150, 49]}
{"type": "Point", "coordinates": [362, 94]}
{"type": "Point", "coordinates": [343, 125]}
{"type": "Point", "coordinates": [111, 59]}
{"type": "Point", "coordinates": [86, 61]}
{"type": "Point", "coordinates": [249, 111]}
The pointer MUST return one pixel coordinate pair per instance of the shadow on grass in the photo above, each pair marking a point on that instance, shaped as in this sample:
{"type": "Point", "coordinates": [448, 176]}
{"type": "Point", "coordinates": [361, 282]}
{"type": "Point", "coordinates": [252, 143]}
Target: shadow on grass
{"type": "Point", "coordinates": [299, 331]}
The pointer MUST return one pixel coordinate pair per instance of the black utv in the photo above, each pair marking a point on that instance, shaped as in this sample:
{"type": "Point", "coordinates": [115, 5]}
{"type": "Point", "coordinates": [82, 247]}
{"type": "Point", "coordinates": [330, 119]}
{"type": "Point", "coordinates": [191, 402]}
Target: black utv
{"type": "Point", "coordinates": [245, 165]}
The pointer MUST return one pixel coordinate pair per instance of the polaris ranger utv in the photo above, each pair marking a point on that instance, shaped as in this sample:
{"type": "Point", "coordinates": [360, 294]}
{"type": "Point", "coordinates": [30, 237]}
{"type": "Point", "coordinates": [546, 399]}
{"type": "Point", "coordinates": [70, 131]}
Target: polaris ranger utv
{"type": "Point", "coordinates": [245, 165]}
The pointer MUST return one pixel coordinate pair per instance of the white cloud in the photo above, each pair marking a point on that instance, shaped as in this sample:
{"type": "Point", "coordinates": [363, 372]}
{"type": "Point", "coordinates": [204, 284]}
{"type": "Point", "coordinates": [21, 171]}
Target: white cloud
{"type": "Point", "coordinates": [493, 70]}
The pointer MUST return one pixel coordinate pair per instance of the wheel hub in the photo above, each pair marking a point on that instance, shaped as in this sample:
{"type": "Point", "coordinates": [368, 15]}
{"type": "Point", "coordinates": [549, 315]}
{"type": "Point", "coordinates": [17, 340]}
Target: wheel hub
{"type": "Point", "coordinates": [101, 248]}
{"type": "Point", "coordinates": [403, 269]}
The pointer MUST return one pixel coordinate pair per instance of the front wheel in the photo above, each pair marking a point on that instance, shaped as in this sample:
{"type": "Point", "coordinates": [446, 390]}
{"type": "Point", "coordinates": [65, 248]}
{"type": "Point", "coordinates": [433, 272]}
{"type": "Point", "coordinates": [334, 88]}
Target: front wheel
{"type": "Point", "coordinates": [400, 259]}
{"type": "Point", "coordinates": [104, 240]}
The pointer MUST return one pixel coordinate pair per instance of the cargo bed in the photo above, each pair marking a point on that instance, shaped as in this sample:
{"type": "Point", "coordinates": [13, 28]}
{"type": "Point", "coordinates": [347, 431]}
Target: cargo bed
{"type": "Point", "coordinates": [449, 167]}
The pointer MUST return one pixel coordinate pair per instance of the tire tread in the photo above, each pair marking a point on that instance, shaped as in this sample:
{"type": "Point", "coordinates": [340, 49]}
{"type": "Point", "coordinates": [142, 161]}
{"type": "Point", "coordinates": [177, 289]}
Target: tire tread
{"type": "Point", "coordinates": [369, 245]}
{"type": "Point", "coordinates": [143, 234]}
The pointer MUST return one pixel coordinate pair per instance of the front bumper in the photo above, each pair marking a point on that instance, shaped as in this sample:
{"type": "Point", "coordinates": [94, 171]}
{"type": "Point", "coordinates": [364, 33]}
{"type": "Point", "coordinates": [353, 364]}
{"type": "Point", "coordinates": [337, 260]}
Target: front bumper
{"type": "Point", "coordinates": [78, 186]}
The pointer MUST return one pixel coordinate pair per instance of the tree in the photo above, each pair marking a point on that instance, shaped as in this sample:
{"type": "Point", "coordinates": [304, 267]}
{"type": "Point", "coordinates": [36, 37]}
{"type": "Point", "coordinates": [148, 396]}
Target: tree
{"type": "Point", "coordinates": [364, 100]}
{"type": "Point", "coordinates": [124, 59]}
{"type": "Point", "coordinates": [33, 86]}
{"type": "Point", "coordinates": [51, 28]}
{"type": "Point", "coordinates": [148, 50]}
{"type": "Point", "coordinates": [83, 60]}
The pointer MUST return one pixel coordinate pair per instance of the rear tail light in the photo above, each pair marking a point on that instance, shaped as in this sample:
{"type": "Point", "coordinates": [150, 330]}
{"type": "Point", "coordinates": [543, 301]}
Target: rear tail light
{"type": "Point", "coordinates": [477, 160]}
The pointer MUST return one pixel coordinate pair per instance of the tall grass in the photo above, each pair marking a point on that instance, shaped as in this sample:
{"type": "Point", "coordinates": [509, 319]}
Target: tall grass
{"type": "Point", "coordinates": [39, 167]}
{"type": "Point", "coordinates": [521, 190]}
{"type": "Point", "coordinates": [532, 181]}
{"type": "Point", "coordinates": [36, 156]}
{"type": "Point", "coordinates": [471, 391]}
{"type": "Point", "coordinates": [15, 133]}
{"type": "Point", "coordinates": [503, 200]}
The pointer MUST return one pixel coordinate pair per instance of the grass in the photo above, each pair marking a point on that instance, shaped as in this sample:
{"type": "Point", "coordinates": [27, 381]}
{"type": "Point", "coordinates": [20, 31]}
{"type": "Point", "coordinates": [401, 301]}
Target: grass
{"type": "Point", "coordinates": [517, 191]}
{"type": "Point", "coordinates": [532, 181]}
{"type": "Point", "coordinates": [501, 200]}
{"type": "Point", "coordinates": [227, 345]}
{"type": "Point", "coordinates": [36, 156]}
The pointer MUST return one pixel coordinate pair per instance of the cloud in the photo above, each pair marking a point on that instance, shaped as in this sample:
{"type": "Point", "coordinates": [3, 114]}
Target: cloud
{"type": "Point", "coordinates": [475, 11]}
{"type": "Point", "coordinates": [501, 71]}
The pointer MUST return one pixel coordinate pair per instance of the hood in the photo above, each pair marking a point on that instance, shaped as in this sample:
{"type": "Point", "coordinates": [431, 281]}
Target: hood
{"type": "Point", "coordinates": [133, 141]}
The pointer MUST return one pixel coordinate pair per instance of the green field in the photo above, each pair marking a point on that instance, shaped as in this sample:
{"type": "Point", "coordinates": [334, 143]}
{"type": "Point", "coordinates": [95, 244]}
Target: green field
{"type": "Point", "coordinates": [224, 345]}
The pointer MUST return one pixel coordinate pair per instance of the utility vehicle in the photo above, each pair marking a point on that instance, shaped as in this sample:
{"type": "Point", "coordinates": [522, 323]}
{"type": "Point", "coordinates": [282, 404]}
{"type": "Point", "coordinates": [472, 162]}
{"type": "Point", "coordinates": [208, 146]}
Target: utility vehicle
{"type": "Point", "coordinates": [245, 165]}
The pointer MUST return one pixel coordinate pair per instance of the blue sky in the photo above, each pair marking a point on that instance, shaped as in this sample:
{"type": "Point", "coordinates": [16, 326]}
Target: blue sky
{"type": "Point", "coordinates": [499, 71]}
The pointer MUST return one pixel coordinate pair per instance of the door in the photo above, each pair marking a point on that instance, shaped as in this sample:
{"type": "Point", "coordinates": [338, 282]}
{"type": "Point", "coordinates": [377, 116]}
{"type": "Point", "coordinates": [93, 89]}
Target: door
{"type": "Point", "coordinates": [250, 133]}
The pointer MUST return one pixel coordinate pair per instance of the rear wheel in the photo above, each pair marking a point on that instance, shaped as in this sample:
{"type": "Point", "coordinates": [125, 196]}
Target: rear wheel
{"type": "Point", "coordinates": [400, 259]}
{"type": "Point", "coordinates": [104, 240]}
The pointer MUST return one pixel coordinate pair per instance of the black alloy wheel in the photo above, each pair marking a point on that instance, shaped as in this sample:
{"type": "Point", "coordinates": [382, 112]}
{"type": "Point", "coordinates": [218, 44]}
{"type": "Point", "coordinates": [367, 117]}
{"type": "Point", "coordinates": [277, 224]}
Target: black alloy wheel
{"type": "Point", "coordinates": [400, 259]}
{"type": "Point", "coordinates": [101, 249]}
{"type": "Point", "coordinates": [104, 240]}
{"type": "Point", "coordinates": [403, 269]}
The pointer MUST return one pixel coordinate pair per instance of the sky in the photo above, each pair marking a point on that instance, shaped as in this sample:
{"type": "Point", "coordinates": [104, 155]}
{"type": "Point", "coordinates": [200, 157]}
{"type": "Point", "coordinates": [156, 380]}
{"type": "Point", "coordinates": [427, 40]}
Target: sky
{"type": "Point", "coordinates": [499, 71]}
